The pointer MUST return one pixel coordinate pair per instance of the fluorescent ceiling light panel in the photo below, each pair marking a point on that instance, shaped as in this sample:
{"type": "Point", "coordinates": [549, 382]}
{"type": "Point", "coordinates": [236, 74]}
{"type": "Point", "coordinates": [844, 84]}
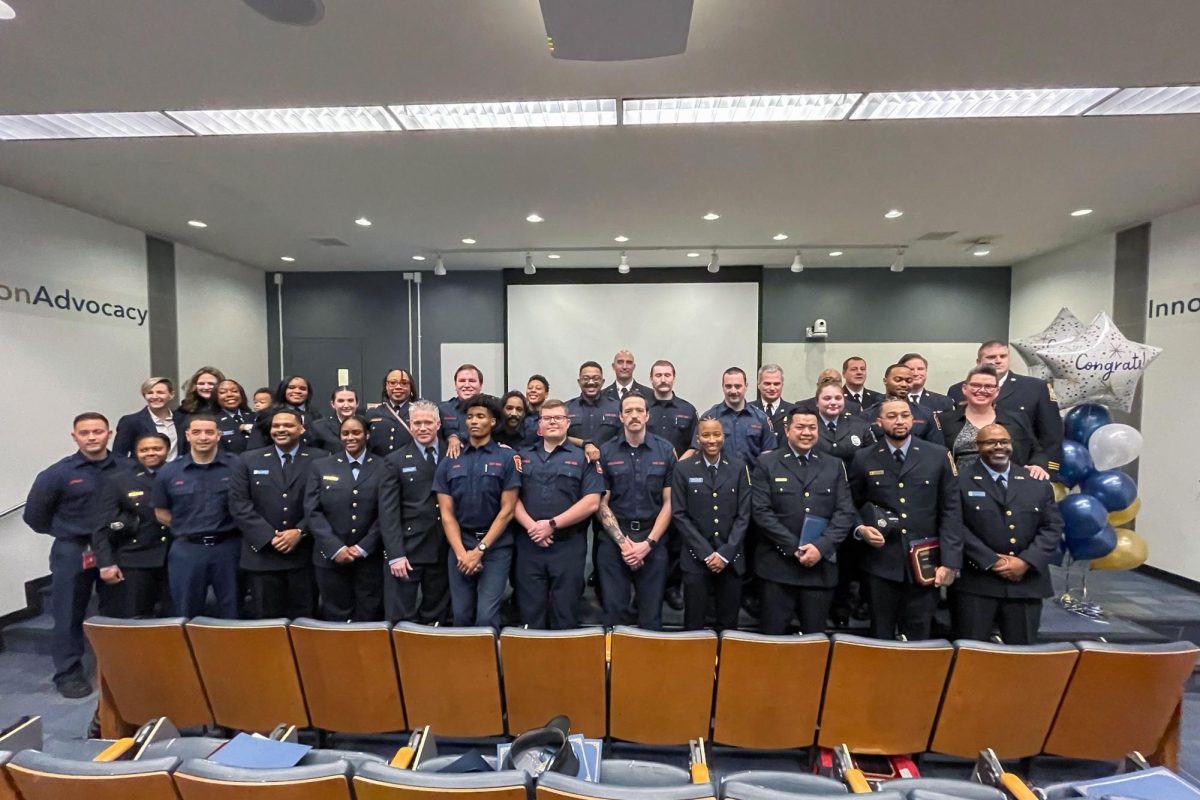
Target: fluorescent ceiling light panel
{"type": "Point", "coordinates": [249, 121]}
{"type": "Point", "coordinates": [756, 108]}
{"type": "Point", "coordinates": [979, 103]}
{"type": "Point", "coordinates": [521, 114]}
{"type": "Point", "coordinates": [1151, 100]}
{"type": "Point", "coordinates": [104, 125]}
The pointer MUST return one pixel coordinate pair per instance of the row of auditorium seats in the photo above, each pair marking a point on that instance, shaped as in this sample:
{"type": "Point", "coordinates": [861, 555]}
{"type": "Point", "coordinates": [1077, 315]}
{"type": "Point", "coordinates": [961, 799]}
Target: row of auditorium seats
{"type": "Point", "coordinates": [1088, 701]}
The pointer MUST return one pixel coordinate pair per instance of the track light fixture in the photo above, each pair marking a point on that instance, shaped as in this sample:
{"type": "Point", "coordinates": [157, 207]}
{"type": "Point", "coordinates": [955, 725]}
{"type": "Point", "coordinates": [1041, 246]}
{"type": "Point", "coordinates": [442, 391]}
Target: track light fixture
{"type": "Point", "coordinates": [797, 264]}
{"type": "Point", "coordinates": [439, 268]}
{"type": "Point", "coordinates": [623, 267]}
{"type": "Point", "coordinates": [714, 262]}
{"type": "Point", "coordinates": [530, 269]}
{"type": "Point", "coordinates": [898, 264]}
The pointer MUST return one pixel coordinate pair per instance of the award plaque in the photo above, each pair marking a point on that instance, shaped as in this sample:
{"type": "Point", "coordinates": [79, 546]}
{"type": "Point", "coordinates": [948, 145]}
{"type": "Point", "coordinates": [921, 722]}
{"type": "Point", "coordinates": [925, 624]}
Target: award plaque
{"type": "Point", "coordinates": [924, 557]}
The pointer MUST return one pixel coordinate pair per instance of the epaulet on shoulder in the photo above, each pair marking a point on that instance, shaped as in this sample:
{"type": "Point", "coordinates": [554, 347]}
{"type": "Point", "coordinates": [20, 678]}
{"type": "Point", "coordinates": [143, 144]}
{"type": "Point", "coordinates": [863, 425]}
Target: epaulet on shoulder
{"type": "Point", "coordinates": [503, 446]}
{"type": "Point", "coordinates": [843, 465]}
{"type": "Point", "coordinates": [953, 466]}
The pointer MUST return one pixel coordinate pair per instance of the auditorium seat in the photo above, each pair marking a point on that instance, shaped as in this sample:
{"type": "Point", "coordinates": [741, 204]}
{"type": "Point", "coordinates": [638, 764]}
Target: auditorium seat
{"type": "Point", "coordinates": [576, 661]}
{"type": "Point", "coordinates": [938, 788]}
{"type": "Point", "coordinates": [451, 679]}
{"type": "Point", "coordinates": [769, 689]}
{"type": "Point", "coordinates": [240, 698]}
{"type": "Point", "coordinates": [198, 779]}
{"type": "Point", "coordinates": [383, 782]}
{"type": "Point", "coordinates": [201, 747]}
{"type": "Point", "coordinates": [661, 685]}
{"type": "Point", "coordinates": [1121, 698]}
{"type": "Point", "coordinates": [148, 667]}
{"type": "Point", "coordinates": [40, 776]}
{"type": "Point", "coordinates": [555, 786]}
{"type": "Point", "coordinates": [348, 675]}
{"type": "Point", "coordinates": [762, 784]}
{"type": "Point", "coordinates": [881, 697]}
{"type": "Point", "coordinates": [1003, 697]}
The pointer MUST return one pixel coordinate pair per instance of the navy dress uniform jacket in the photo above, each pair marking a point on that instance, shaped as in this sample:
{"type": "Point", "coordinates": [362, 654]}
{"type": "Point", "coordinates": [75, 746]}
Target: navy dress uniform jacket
{"type": "Point", "coordinates": [1022, 522]}
{"type": "Point", "coordinates": [1034, 398]}
{"type": "Point", "coordinates": [869, 398]}
{"type": "Point", "coordinates": [237, 428]}
{"type": "Point", "coordinates": [785, 491]}
{"type": "Point", "coordinates": [1025, 447]}
{"type": "Point", "coordinates": [612, 391]}
{"type": "Point", "coordinates": [924, 425]}
{"type": "Point", "coordinates": [417, 534]}
{"type": "Point", "coordinates": [344, 512]}
{"type": "Point", "coordinates": [923, 492]}
{"type": "Point", "coordinates": [935, 402]}
{"type": "Point", "coordinates": [389, 429]}
{"type": "Point", "coordinates": [850, 434]}
{"type": "Point", "coordinates": [775, 419]}
{"type": "Point", "coordinates": [132, 427]}
{"type": "Point", "coordinates": [263, 500]}
{"type": "Point", "coordinates": [712, 515]}
{"type": "Point", "coordinates": [141, 542]}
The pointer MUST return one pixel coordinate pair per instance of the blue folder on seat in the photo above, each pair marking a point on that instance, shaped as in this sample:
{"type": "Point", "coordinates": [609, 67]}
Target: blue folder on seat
{"type": "Point", "coordinates": [1158, 783]}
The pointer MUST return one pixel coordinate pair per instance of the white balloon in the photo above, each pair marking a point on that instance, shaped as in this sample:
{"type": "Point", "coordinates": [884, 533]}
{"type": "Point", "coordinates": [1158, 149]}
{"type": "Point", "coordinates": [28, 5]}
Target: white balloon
{"type": "Point", "coordinates": [1063, 328]}
{"type": "Point", "coordinates": [1114, 445]}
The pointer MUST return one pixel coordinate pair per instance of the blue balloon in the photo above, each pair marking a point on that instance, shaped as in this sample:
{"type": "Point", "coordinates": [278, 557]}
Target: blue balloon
{"type": "Point", "coordinates": [1082, 421]}
{"type": "Point", "coordinates": [1113, 488]}
{"type": "Point", "coordinates": [1083, 517]}
{"type": "Point", "coordinates": [1076, 464]}
{"type": "Point", "coordinates": [1099, 545]}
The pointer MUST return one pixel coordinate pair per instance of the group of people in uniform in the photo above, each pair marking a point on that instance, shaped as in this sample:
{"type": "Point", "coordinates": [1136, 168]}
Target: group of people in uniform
{"type": "Point", "coordinates": [403, 509]}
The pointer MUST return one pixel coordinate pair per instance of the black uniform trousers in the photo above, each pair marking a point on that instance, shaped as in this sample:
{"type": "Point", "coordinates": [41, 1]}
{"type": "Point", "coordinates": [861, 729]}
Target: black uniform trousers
{"type": "Point", "coordinates": [136, 597]}
{"type": "Point", "coordinates": [424, 596]}
{"type": "Point", "coordinates": [618, 579]}
{"type": "Point", "coordinates": [70, 591]}
{"type": "Point", "coordinates": [973, 615]}
{"type": "Point", "coordinates": [901, 604]}
{"type": "Point", "coordinates": [193, 566]}
{"type": "Point", "coordinates": [352, 592]}
{"type": "Point", "coordinates": [780, 601]}
{"type": "Point", "coordinates": [280, 593]}
{"type": "Point", "coordinates": [549, 580]}
{"type": "Point", "coordinates": [725, 589]}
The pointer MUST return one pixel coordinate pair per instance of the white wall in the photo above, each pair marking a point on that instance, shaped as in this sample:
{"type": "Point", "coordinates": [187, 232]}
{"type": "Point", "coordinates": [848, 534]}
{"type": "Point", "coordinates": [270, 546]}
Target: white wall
{"type": "Point", "coordinates": [222, 314]}
{"type": "Point", "coordinates": [1169, 472]}
{"type": "Point", "coordinates": [59, 362]}
{"type": "Point", "coordinates": [1079, 277]}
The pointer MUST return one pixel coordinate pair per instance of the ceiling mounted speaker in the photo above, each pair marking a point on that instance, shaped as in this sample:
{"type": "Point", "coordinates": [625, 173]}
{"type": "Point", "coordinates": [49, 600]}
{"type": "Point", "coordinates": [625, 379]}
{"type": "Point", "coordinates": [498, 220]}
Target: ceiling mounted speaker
{"type": "Point", "coordinates": [616, 30]}
{"type": "Point", "coordinates": [290, 12]}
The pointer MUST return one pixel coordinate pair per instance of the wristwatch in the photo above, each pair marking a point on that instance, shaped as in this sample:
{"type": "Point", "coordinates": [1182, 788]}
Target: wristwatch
{"type": "Point", "coordinates": [653, 544]}
{"type": "Point", "coordinates": [553, 524]}
{"type": "Point", "coordinates": [483, 547]}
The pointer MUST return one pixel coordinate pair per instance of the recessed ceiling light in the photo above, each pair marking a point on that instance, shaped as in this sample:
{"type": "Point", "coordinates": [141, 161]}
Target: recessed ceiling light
{"type": "Point", "coordinates": [418, 258]}
{"type": "Point", "coordinates": [1081, 212]}
{"type": "Point", "coordinates": [535, 217]}
{"type": "Point", "coordinates": [621, 238]}
{"type": "Point", "coordinates": [895, 213]}
{"type": "Point", "coordinates": [250, 121]}
{"type": "Point", "coordinates": [527, 114]}
{"type": "Point", "coordinates": [779, 237]}
{"type": "Point", "coordinates": [554, 256]}
{"type": "Point", "coordinates": [979, 103]}
{"type": "Point", "coordinates": [363, 221]}
{"type": "Point", "coordinates": [6, 11]}
{"type": "Point", "coordinates": [1151, 100]}
{"type": "Point", "coordinates": [103, 125]}
{"type": "Point", "coordinates": [288, 259]}
{"type": "Point", "coordinates": [710, 216]}
{"type": "Point", "coordinates": [693, 255]}
{"type": "Point", "coordinates": [835, 253]}
{"type": "Point", "coordinates": [981, 251]}
{"type": "Point", "coordinates": [468, 240]}
{"type": "Point", "coordinates": [753, 108]}
{"type": "Point", "coordinates": [195, 223]}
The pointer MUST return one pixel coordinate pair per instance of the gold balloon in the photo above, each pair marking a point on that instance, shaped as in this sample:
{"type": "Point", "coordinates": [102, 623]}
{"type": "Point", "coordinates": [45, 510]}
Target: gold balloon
{"type": "Point", "coordinates": [1131, 551]}
{"type": "Point", "coordinates": [1125, 515]}
{"type": "Point", "coordinates": [1060, 491]}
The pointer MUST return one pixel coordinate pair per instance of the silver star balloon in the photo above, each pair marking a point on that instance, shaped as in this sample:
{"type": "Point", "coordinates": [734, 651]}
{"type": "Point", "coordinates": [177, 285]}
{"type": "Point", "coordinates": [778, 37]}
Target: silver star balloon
{"type": "Point", "coordinates": [1065, 327]}
{"type": "Point", "coordinates": [1098, 366]}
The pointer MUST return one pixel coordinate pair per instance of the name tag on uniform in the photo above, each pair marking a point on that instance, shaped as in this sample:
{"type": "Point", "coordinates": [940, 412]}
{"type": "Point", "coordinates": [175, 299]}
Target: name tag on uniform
{"type": "Point", "coordinates": [876, 472]}
{"type": "Point", "coordinates": [138, 493]}
{"type": "Point", "coordinates": [262, 472]}
{"type": "Point", "coordinates": [695, 480]}
{"type": "Point", "coordinates": [409, 469]}
{"type": "Point", "coordinates": [781, 480]}
{"type": "Point", "coordinates": [329, 477]}
{"type": "Point", "coordinates": [976, 494]}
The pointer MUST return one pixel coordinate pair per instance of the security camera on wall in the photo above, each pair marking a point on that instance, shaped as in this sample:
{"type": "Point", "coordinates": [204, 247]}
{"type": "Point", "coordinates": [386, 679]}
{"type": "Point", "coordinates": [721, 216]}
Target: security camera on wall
{"type": "Point", "coordinates": [818, 330]}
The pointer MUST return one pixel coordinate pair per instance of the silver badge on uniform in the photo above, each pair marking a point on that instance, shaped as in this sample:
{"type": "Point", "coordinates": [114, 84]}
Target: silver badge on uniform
{"type": "Point", "coordinates": [854, 440]}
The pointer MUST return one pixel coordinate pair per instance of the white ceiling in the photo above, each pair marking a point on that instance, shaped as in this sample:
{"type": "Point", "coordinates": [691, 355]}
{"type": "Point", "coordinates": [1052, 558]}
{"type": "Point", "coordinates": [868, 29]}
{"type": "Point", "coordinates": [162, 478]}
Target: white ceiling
{"type": "Point", "coordinates": [822, 183]}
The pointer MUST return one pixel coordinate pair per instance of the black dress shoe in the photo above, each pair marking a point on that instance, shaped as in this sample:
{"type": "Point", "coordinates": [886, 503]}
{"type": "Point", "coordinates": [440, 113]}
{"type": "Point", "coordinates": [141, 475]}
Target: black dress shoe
{"type": "Point", "coordinates": [675, 599]}
{"type": "Point", "coordinates": [73, 685]}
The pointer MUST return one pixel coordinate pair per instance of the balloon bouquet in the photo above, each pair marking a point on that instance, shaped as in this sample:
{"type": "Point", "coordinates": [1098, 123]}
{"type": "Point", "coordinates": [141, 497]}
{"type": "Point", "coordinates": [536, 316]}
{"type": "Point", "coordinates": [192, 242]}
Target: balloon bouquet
{"type": "Point", "coordinates": [1094, 368]}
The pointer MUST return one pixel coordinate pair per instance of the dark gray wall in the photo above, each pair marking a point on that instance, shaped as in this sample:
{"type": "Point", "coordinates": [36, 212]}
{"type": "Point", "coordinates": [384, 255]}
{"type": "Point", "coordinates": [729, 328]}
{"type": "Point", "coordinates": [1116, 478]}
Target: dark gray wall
{"type": "Point", "coordinates": [921, 304]}
{"type": "Point", "coordinates": [164, 315]}
{"type": "Point", "coordinates": [1131, 289]}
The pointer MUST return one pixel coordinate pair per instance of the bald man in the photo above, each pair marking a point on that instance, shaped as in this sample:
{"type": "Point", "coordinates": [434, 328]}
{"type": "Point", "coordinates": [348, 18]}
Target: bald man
{"type": "Point", "coordinates": [623, 365]}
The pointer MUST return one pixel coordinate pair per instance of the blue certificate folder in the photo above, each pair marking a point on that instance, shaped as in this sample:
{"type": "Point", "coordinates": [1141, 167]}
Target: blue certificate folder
{"type": "Point", "coordinates": [812, 529]}
{"type": "Point", "coordinates": [257, 752]}
{"type": "Point", "coordinates": [1158, 783]}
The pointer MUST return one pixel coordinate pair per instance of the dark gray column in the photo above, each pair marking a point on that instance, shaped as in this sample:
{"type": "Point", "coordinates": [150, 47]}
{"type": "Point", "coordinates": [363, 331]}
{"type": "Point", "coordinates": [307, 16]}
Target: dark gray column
{"type": "Point", "coordinates": [1131, 288]}
{"type": "Point", "coordinates": [164, 317]}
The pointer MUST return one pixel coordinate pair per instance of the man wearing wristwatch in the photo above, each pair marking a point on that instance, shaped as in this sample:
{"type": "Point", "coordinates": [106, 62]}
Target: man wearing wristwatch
{"type": "Point", "coordinates": [266, 499]}
{"type": "Point", "coordinates": [477, 495]}
{"type": "Point", "coordinates": [635, 513]}
{"type": "Point", "coordinates": [560, 491]}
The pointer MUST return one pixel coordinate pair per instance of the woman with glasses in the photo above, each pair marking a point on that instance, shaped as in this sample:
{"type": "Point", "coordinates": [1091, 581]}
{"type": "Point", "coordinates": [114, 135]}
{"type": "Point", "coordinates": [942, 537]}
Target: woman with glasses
{"type": "Point", "coordinates": [961, 426]}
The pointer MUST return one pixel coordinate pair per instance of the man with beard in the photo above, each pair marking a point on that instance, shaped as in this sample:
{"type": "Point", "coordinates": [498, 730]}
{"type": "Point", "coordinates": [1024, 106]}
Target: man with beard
{"type": "Point", "coordinates": [896, 380]}
{"type": "Point", "coordinates": [513, 430]}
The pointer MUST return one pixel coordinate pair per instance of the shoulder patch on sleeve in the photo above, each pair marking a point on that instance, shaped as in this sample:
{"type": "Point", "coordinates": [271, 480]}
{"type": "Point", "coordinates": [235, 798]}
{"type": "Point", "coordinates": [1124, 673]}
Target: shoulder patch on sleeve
{"type": "Point", "coordinates": [516, 461]}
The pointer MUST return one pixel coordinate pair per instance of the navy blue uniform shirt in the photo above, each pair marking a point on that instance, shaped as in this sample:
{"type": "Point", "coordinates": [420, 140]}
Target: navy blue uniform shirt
{"type": "Point", "coordinates": [63, 499]}
{"type": "Point", "coordinates": [636, 476]}
{"type": "Point", "coordinates": [747, 433]}
{"type": "Point", "coordinates": [475, 480]}
{"type": "Point", "coordinates": [553, 482]}
{"type": "Point", "coordinates": [197, 495]}
{"type": "Point", "coordinates": [673, 420]}
{"type": "Point", "coordinates": [595, 422]}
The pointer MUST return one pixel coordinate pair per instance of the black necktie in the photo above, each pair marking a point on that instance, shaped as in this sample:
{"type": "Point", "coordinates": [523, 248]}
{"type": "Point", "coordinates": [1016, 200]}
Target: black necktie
{"type": "Point", "coordinates": [712, 473]}
{"type": "Point", "coordinates": [1002, 483]}
{"type": "Point", "coordinates": [355, 466]}
{"type": "Point", "coordinates": [770, 410]}
{"type": "Point", "coordinates": [899, 456]}
{"type": "Point", "coordinates": [287, 465]}
{"type": "Point", "coordinates": [831, 426]}
{"type": "Point", "coordinates": [914, 398]}
{"type": "Point", "coordinates": [430, 457]}
{"type": "Point", "coordinates": [857, 398]}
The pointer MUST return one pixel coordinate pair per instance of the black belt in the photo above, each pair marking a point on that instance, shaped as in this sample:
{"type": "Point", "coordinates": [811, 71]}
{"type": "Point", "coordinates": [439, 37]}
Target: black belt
{"type": "Point", "coordinates": [637, 525]}
{"type": "Point", "coordinates": [210, 539]}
